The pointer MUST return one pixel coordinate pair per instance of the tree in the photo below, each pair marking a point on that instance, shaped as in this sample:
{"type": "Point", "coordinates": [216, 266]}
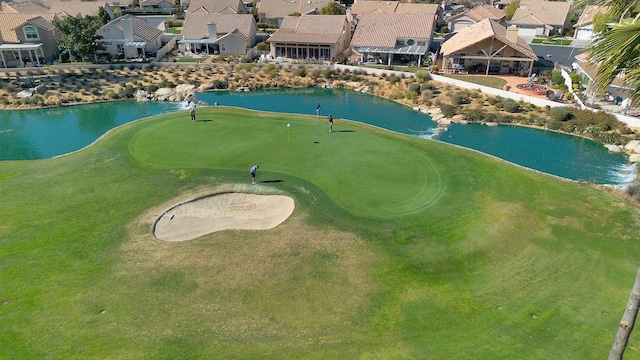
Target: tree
{"type": "Point", "coordinates": [617, 51]}
{"type": "Point", "coordinates": [332, 9]}
{"type": "Point", "coordinates": [627, 321]}
{"type": "Point", "coordinates": [77, 36]}
{"type": "Point", "coordinates": [511, 9]}
{"type": "Point", "coordinates": [103, 16]}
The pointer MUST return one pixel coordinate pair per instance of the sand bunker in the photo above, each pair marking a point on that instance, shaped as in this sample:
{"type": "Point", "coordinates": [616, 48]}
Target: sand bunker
{"type": "Point", "coordinates": [222, 212]}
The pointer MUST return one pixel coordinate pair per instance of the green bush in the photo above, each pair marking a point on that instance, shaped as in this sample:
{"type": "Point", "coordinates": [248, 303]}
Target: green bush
{"type": "Point", "coordinates": [423, 75]}
{"type": "Point", "coordinates": [394, 79]}
{"type": "Point", "coordinates": [414, 88]}
{"type": "Point", "coordinates": [457, 99]}
{"type": "Point", "coordinates": [560, 113]}
{"type": "Point", "coordinates": [556, 77]}
{"type": "Point", "coordinates": [511, 106]}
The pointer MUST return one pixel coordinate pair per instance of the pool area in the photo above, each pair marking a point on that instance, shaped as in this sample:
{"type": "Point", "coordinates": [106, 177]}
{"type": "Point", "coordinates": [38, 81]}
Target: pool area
{"type": "Point", "coordinates": [46, 133]}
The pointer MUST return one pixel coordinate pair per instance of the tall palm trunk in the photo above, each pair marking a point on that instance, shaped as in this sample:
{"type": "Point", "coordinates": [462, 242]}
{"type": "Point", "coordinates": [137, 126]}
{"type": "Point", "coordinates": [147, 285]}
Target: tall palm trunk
{"type": "Point", "coordinates": [627, 322]}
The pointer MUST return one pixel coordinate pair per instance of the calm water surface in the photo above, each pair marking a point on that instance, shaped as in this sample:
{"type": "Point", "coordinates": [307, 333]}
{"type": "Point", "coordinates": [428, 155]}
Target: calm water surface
{"type": "Point", "coordinates": [45, 133]}
{"type": "Point", "coordinates": [39, 134]}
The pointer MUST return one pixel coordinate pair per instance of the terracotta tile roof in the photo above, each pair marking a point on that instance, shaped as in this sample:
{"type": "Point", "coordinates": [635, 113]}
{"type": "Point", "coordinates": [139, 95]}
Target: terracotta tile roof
{"type": "Point", "coordinates": [589, 13]}
{"type": "Point", "coordinates": [73, 7]}
{"type": "Point", "coordinates": [541, 12]}
{"type": "Point", "coordinates": [9, 22]}
{"type": "Point", "coordinates": [369, 6]}
{"type": "Point", "coordinates": [196, 25]}
{"type": "Point", "coordinates": [482, 30]}
{"type": "Point", "coordinates": [414, 8]}
{"type": "Point", "coordinates": [140, 27]}
{"type": "Point", "coordinates": [22, 7]}
{"type": "Point", "coordinates": [481, 12]}
{"type": "Point", "coordinates": [277, 9]}
{"type": "Point", "coordinates": [217, 6]}
{"type": "Point", "coordinates": [310, 29]}
{"type": "Point", "coordinates": [382, 29]}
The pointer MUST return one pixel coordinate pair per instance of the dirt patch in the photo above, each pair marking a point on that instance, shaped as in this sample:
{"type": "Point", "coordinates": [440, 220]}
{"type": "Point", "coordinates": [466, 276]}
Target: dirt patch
{"type": "Point", "coordinates": [205, 215]}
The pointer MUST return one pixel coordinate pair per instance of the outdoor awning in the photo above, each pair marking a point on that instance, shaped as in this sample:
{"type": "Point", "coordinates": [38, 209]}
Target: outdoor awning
{"type": "Point", "coordinates": [13, 47]}
{"type": "Point", "coordinates": [405, 50]}
{"type": "Point", "coordinates": [200, 41]}
{"type": "Point", "coordinates": [135, 44]}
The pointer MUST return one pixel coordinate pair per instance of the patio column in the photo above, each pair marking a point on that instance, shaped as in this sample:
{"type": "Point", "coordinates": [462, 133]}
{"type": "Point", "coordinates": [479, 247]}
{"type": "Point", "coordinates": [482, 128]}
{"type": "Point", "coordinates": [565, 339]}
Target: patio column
{"type": "Point", "coordinates": [488, 64]}
{"type": "Point", "coordinates": [20, 57]}
{"type": "Point", "coordinates": [4, 62]}
{"type": "Point", "coordinates": [530, 68]}
{"type": "Point", "coordinates": [389, 60]}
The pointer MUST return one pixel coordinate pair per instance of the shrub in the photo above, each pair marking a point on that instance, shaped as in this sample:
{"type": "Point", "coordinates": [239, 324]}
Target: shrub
{"type": "Point", "coordinates": [560, 113]}
{"type": "Point", "coordinates": [457, 99]}
{"type": "Point", "coordinates": [262, 46]}
{"type": "Point", "coordinates": [414, 88]}
{"type": "Point", "coordinates": [492, 100]}
{"type": "Point", "coordinates": [556, 77]}
{"type": "Point", "coordinates": [394, 79]}
{"type": "Point", "coordinates": [511, 106]}
{"type": "Point", "coordinates": [448, 110]}
{"type": "Point", "coordinates": [423, 75]}
{"type": "Point", "coordinates": [300, 71]}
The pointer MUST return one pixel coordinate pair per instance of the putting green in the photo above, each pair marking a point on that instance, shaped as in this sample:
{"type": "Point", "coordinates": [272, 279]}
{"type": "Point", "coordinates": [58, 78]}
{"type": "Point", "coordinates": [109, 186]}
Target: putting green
{"type": "Point", "coordinates": [225, 137]}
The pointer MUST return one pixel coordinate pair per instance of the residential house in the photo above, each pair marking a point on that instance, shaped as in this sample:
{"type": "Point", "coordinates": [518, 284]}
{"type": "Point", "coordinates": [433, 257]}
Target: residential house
{"type": "Point", "coordinates": [584, 26]}
{"type": "Point", "coordinates": [24, 7]}
{"type": "Point", "coordinates": [274, 11]}
{"type": "Point", "coordinates": [130, 37]}
{"type": "Point", "coordinates": [218, 6]}
{"type": "Point", "coordinates": [541, 18]}
{"type": "Point", "coordinates": [76, 7]}
{"type": "Point", "coordinates": [156, 6]}
{"type": "Point", "coordinates": [360, 7]}
{"type": "Point", "coordinates": [488, 47]}
{"type": "Point", "coordinates": [393, 37]}
{"type": "Point", "coordinates": [475, 15]}
{"type": "Point", "coordinates": [589, 71]}
{"type": "Point", "coordinates": [311, 37]}
{"type": "Point", "coordinates": [217, 33]}
{"type": "Point", "coordinates": [27, 39]}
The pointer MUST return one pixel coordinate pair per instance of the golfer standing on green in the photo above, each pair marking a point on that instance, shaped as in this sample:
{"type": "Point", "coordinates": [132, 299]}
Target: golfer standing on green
{"type": "Point", "coordinates": [253, 171]}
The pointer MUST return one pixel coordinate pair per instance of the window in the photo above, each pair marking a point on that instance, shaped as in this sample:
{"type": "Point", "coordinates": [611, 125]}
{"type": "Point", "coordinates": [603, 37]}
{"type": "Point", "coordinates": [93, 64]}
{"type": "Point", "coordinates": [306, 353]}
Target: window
{"type": "Point", "coordinates": [223, 47]}
{"type": "Point", "coordinates": [31, 33]}
{"type": "Point", "coordinates": [400, 42]}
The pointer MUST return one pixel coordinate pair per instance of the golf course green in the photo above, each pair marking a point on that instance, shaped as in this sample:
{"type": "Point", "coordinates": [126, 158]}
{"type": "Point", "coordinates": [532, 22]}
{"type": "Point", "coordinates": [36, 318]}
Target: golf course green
{"type": "Point", "coordinates": [398, 248]}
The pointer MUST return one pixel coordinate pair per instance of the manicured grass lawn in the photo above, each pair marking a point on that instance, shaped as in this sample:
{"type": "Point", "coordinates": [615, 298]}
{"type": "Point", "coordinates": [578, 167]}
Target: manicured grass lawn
{"type": "Point", "coordinates": [188, 59]}
{"type": "Point", "coordinates": [491, 81]}
{"type": "Point", "coordinates": [398, 248]}
{"type": "Point", "coordinates": [563, 42]}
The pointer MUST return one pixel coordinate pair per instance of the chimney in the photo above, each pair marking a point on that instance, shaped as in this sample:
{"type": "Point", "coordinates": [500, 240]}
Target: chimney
{"type": "Point", "coordinates": [127, 29]}
{"type": "Point", "coordinates": [213, 32]}
{"type": "Point", "coordinates": [512, 34]}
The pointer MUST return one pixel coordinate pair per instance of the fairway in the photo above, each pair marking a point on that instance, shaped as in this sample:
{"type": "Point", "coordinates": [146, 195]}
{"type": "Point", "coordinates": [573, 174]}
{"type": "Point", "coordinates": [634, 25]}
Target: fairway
{"type": "Point", "coordinates": [398, 247]}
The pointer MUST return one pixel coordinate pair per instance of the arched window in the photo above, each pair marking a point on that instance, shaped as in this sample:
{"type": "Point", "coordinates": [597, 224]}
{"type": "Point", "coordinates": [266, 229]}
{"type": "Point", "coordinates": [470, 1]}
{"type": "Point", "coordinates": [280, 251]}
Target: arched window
{"type": "Point", "coordinates": [31, 33]}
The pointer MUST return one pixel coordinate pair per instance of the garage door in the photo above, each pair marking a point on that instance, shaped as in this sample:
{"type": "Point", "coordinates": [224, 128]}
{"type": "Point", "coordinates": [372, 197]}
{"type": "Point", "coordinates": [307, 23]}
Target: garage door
{"type": "Point", "coordinates": [527, 32]}
{"type": "Point", "coordinates": [583, 34]}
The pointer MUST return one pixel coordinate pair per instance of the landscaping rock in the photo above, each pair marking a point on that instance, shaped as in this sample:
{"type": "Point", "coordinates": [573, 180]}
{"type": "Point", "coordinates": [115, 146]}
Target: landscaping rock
{"type": "Point", "coordinates": [613, 148]}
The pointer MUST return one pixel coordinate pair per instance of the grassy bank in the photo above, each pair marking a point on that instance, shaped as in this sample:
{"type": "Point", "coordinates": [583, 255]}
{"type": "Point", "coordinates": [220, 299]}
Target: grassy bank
{"type": "Point", "coordinates": [398, 248]}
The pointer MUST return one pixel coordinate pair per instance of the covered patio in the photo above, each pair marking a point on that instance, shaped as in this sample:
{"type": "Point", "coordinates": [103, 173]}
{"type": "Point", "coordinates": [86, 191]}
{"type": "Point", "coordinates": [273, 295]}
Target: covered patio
{"type": "Point", "coordinates": [18, 58]}
{"type": "Point", "coordinates": [411, 54]}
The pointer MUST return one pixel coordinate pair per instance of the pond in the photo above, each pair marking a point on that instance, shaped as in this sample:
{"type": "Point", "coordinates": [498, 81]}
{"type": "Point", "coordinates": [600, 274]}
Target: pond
{"type": "Point", "coordinates": [40, 134]}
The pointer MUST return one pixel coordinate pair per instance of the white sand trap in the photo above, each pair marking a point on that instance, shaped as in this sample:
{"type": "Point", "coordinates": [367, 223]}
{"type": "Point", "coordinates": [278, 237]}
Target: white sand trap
{"type": "Point", "coordinates": [219, 212]}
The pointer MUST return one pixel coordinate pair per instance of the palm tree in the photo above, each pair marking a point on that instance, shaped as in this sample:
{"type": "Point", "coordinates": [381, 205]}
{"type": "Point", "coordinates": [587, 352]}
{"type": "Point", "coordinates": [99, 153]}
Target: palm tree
{"type": "Point", "coordinates": [617, 51]}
